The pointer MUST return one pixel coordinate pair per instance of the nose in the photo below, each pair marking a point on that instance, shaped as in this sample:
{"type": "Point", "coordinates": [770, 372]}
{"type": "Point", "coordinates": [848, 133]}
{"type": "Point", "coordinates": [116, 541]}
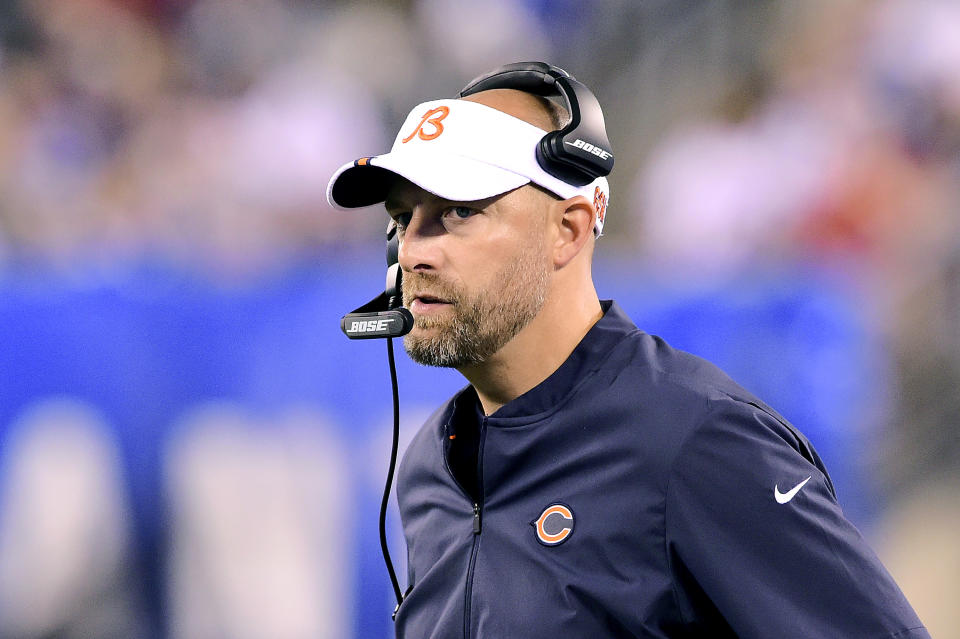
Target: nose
{"type": "Point", "coordinates": [419, 248]}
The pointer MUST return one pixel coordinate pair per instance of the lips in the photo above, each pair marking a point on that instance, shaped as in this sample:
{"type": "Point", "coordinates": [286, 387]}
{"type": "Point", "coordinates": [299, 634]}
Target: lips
{"type": "Point", "coordinates": [425, 302]}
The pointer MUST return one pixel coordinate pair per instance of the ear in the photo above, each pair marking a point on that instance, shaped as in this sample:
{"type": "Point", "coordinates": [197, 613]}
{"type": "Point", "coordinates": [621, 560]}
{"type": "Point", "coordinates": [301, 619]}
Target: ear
{"type": "Point", "coordinates": [575, 228]}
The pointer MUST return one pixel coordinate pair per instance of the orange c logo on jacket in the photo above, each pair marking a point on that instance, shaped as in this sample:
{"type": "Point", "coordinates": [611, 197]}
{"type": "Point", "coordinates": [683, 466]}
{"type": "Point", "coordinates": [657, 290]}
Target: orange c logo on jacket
{"type": "Point", "coordinates": [554, 525]}
{"type": "Point", "coordinates": [438, 114]}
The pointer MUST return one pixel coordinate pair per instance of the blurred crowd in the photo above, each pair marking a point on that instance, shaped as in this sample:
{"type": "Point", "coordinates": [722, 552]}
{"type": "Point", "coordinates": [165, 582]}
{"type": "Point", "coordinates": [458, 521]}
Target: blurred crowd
{"type": "Point", "coordinates": [748, 136]}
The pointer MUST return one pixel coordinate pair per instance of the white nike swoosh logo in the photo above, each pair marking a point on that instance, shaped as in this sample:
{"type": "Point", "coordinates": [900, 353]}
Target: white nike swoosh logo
{"type": "Point", "coordinates": [783, 498]}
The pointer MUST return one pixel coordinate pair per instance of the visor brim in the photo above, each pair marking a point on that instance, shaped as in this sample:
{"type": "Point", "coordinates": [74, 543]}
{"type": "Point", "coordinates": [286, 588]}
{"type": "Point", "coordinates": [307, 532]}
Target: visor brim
{"type": "Point", "coordinates": [450, 177]}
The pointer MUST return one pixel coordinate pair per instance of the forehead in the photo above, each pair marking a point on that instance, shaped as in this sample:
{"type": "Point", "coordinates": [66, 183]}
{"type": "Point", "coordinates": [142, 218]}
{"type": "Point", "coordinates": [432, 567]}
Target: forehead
{"type": "Point", "coordinates": [404, 193]}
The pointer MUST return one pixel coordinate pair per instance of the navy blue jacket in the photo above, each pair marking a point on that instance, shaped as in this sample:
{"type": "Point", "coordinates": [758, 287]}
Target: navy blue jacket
{"type": "Point", "coordinates": [636, 492]}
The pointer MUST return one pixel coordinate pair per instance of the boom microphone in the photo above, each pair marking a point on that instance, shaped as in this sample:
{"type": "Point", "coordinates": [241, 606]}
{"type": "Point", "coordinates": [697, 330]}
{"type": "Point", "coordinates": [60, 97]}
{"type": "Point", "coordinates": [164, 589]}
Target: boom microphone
{"type": "Point", "coordinates": [383, 316]}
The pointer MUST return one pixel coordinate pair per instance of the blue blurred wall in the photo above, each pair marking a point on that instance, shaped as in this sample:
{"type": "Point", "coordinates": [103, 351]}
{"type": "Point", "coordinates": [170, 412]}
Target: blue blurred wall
{"type": "Point", "coordinates": [147, 343]}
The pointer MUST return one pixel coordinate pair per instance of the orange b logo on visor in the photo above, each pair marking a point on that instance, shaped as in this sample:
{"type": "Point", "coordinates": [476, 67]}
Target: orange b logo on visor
{"type": "Point", "coordinates": [438, 115]}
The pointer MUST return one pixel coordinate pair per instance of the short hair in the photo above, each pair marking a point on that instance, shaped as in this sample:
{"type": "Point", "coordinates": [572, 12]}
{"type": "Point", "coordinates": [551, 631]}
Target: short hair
{"type": "Point", "coordinates": [557, 114]}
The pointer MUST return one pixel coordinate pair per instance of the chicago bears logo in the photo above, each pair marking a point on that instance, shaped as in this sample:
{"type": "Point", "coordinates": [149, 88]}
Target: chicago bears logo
{"type": "Point", "coordinates": [554, 525]}
{"type": "Point", "coordinates": [434, 117]}
{"type": "Point", "coordinates": [600, 203]}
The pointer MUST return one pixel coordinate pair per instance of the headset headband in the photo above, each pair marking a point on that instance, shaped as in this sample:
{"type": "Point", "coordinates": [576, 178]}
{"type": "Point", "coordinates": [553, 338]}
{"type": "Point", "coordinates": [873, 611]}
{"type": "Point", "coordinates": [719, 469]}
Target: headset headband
{"type": "Point", "coordinates": [579, 152]}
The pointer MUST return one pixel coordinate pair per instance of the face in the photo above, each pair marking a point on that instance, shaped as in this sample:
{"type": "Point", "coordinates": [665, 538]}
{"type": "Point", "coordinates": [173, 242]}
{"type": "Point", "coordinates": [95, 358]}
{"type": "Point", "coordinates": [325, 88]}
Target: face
{"type": "Point", "coordinates": [474, 273]}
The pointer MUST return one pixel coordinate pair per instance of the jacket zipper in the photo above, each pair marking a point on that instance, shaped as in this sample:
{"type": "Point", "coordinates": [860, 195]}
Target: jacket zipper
{"type": "Point", "coordinates": [477, 526]}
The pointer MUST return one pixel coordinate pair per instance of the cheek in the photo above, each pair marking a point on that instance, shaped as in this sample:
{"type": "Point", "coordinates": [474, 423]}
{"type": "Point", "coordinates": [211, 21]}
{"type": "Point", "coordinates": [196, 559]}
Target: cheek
{"type": "Point", "coordinates": [481, 266]}
{"type": "Point", "coordinates": [479, 276]}
{"type": "Point", "coordinates": [476, 264]}
{"type": "Point", "coordinates": [513, 268]}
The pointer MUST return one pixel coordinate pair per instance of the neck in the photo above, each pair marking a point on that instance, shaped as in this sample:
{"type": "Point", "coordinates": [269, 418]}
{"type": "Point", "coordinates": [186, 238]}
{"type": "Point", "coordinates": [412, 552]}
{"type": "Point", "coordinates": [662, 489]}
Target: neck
{"type": "Point", "coordinates": [536, 351]}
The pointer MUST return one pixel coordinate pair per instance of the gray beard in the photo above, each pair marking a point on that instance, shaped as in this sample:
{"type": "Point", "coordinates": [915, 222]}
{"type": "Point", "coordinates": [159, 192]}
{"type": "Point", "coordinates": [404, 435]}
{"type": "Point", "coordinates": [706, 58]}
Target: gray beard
{"type": "Point", "coordinates": [482, 324]}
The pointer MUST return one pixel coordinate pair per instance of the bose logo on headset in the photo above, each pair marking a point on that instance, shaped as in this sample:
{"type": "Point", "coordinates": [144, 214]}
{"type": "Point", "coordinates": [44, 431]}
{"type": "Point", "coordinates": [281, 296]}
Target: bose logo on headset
{"type": "Point", "coordinates": [368, 326]}
{"type": "Point", "coordinates": [589, 148]}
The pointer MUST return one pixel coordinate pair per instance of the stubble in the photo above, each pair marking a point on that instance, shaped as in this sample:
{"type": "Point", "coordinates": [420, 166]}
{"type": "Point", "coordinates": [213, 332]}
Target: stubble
{"type": "Point", "coordinates": [482, 323]}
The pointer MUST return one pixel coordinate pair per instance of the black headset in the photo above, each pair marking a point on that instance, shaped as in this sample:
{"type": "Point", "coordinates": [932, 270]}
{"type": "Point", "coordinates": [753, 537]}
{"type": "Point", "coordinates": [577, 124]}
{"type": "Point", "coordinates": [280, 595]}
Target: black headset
{"type": "Point", "coordinates": [579, 152]}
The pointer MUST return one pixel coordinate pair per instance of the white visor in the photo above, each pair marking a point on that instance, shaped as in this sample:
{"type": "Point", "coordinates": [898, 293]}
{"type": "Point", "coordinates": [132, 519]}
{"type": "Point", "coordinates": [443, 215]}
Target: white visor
{"type": "Point", "coordinates": [460, 151]}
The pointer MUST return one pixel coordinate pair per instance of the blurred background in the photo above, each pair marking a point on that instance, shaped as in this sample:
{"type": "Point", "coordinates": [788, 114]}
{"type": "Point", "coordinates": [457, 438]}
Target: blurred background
{"type": "Point", "coordinates": [189, 447]}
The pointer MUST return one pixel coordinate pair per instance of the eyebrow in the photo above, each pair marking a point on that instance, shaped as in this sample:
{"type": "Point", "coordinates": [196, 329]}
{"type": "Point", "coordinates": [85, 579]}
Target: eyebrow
{"type": "Point", "coordinates": [396, 205]}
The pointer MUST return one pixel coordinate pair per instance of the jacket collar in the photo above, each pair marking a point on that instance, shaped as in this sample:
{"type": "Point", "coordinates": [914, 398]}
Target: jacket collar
{"type": "Point", "coordinates": [548, 396]}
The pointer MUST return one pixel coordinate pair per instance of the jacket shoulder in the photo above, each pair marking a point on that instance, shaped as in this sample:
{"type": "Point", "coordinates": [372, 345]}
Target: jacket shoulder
{"type": "Point", "coordinates": [673, 393]}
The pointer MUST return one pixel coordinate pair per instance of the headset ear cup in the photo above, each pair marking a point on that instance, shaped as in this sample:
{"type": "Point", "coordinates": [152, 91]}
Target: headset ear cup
{"type": "Point", "coordinates": [543, 155]}
{"type": "Point", "coordinates": [550, 157]}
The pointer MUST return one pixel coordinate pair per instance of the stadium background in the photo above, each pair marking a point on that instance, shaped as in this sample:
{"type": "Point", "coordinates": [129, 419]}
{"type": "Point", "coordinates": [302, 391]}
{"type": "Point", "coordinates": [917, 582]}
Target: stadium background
{"type": "Point", "coordinates": [189, 447]}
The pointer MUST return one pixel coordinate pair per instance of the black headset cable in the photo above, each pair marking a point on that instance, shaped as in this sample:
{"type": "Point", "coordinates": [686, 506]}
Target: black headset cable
{"type": "Point", "coordinates": [390, 472]}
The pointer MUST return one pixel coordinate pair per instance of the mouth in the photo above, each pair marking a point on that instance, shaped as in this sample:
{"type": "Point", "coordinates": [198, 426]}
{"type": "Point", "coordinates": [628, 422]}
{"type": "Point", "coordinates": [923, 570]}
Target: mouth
{"type": "Point", "coordinates": [426, 303]}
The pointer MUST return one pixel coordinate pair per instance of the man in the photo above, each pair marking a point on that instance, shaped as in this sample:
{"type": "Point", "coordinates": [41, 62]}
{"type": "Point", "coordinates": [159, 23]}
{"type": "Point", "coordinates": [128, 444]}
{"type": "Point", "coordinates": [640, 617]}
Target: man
{"type": "Point", "coordinates": [590, 481]}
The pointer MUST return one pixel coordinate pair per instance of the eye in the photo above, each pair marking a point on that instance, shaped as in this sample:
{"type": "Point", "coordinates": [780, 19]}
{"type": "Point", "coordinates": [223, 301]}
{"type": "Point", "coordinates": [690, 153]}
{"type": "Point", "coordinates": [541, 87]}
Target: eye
{"type": "Point", "coordinates": [460, 212]}
{"type": "Point", "coordinates": [402, 220]}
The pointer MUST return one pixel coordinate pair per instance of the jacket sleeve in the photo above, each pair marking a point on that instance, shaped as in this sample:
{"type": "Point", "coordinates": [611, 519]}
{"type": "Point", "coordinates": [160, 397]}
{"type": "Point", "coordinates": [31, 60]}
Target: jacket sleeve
{"type": "Point", "coordinates": [754, 542]}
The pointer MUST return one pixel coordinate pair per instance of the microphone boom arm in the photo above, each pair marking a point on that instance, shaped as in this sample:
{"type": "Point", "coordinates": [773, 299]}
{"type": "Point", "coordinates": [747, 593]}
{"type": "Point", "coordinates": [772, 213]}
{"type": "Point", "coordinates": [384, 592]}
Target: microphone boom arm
{"type": "Point", "coordinates": [381, 317]}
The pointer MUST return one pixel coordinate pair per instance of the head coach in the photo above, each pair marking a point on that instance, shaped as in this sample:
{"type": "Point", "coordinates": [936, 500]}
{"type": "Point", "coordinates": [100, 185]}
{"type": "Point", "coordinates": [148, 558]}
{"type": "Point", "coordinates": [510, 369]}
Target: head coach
{"type": "Point", "coordinates": [590, 480]}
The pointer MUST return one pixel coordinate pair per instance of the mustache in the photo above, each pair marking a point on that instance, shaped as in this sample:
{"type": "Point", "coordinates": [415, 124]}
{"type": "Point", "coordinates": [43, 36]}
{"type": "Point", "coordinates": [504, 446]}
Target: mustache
{"type": "Point", "coordinates": [428, 285]}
